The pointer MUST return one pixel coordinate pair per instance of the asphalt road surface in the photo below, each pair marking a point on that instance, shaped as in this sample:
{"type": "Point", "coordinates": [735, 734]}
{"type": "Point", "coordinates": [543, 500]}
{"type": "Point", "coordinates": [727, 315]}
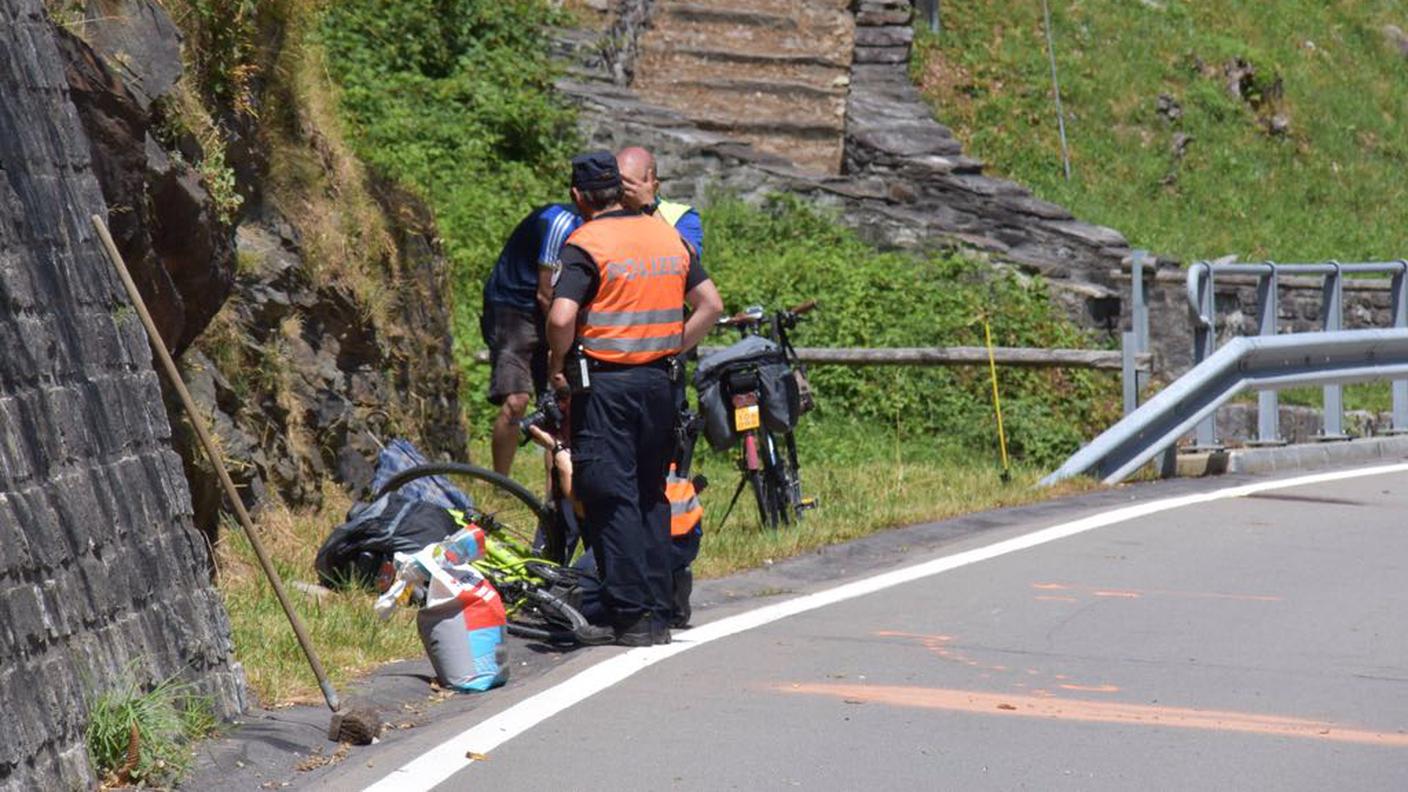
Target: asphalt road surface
{"type": "Point", "coordinates": [1254, 642]}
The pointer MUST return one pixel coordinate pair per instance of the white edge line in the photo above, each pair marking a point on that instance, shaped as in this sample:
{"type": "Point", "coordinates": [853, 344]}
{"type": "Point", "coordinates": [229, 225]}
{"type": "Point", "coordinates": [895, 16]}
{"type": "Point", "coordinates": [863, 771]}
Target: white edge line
{"type": "Point", "coordinates": [451, 756]}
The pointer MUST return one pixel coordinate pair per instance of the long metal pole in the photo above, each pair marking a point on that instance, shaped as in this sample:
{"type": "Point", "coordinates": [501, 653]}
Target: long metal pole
{"type": "Point", "coordinates": [174, 376]}
{"type": "Point", "coordinates": [1056, 89]}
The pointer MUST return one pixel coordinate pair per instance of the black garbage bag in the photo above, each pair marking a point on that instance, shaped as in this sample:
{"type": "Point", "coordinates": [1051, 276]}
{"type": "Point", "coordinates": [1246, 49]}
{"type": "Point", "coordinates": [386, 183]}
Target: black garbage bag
{"type": "Point", "coordinates": [355, 553]}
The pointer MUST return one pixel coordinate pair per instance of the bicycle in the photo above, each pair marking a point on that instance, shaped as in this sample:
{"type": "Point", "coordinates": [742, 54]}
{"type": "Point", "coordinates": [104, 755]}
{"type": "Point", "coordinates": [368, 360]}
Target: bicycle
{"type": "Point", "coordinates": [537, 593]}
{"type": "Point", "coordinates": [762, 403]}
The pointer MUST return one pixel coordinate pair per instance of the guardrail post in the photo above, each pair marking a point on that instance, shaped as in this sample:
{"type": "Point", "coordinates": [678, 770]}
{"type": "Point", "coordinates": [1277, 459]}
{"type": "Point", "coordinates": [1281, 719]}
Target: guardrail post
{"type": "Point", "coordinates": [1334, 320]}
{"type": "Point", "coordinates": [1204, 342]}
{"type": "Point", "coordinates": [1137, 340]}
{"type": "Point", "coordinates": [1267, 401]}
{"type": "Point", "coordinates": [1400, 320]}
{"type": "Point", "coordinates": [1128, 379]}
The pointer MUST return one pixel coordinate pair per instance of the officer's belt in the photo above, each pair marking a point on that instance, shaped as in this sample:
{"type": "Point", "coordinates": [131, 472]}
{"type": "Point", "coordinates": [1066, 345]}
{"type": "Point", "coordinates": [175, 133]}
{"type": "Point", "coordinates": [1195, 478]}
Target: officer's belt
{"type": "Point", "coordinates": [664, 364]}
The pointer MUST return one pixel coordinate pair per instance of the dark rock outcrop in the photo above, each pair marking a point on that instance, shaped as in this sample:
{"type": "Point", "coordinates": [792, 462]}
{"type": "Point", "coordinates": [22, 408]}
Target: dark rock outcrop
{"type": "Point", "coordinates": [101, 574]}
{"type": "Point", "coordinates": [162, 218]}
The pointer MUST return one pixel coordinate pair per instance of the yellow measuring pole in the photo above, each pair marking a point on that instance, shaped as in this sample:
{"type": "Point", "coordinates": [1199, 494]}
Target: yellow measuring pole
{"type": "Point", "coordinates": [996, 400]}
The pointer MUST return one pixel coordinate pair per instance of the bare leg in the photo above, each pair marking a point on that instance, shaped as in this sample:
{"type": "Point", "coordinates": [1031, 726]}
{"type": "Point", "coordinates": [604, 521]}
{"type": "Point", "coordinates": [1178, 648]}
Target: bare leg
{"type": "Point", "coordinates": [505, 442]}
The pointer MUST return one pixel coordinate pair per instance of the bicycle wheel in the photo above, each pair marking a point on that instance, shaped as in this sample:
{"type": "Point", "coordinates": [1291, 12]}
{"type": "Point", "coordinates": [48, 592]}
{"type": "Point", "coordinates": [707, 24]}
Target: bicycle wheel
{"type": "Point", "coordinates": [777, 476]}
{"type": "Point", "coordinates": [545, 616]}
{"type": "Point", "coordinates": [509, 506]}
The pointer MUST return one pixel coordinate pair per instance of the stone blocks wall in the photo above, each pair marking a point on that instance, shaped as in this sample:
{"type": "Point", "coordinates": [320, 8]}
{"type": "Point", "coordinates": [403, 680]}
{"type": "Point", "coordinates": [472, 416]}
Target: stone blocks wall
{"type": "Point", "coordinates": [101, 574]}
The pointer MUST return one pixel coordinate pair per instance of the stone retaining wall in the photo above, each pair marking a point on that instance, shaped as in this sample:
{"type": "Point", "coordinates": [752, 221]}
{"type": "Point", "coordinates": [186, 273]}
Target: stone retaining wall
{"type": "Point", "coordinates": [101, 574]}
{"type": "Point", "coordinates": [905, 183]}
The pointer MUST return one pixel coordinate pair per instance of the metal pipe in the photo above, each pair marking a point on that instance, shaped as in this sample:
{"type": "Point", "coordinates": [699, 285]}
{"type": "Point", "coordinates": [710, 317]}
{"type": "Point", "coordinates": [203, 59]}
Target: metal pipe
{"type": "Point", "coordinates": [1400, 320]}
{"type": "Point", "coordinates": [1334, 320]}
{"type": "Point", "coordinates": [1267, 401]}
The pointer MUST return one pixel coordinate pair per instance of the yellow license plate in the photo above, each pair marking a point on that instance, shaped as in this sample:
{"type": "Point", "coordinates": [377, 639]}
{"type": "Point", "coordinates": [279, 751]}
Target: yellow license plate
{"type": "Point", "coordinates": [745, 418]}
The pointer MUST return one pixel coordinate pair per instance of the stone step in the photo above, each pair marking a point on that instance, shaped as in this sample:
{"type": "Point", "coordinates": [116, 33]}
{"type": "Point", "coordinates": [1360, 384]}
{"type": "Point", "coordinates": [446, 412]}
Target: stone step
{"type": "Point", "coordinates": [719, 14]}
{"type": "Point", "coordinates": [715, 54]}
{"type": "Point", "coordinates": [791, 89]}
{"type": "Point", "coordinates": [768, 127]}
{"type": "Point", "coordinates": [819, 154]}
{"type": "Point", "coordinates": [738, 40]}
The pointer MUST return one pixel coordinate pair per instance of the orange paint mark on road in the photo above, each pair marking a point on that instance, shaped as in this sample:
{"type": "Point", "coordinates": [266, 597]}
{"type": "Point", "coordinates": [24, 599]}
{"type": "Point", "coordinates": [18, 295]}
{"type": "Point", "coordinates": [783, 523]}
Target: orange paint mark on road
{"type": "Point", "coordinates": [1015, 705]}
{"type": "Point", "coordinates": [1050, 598]}
{"type": "Point", "coordinates": [1137, 593]}
{"type": "Point", "coordinates": [1092, 688]}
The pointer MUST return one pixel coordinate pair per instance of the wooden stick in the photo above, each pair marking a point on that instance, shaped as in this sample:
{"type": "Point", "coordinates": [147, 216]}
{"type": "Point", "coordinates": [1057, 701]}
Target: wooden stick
{"type": "Point", "coordinates": [198, 424]}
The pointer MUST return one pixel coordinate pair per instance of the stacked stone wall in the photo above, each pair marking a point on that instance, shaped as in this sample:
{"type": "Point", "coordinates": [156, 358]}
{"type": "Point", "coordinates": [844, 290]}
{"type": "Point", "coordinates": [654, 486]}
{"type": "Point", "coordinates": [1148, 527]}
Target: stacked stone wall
{"type": "Point", "coordinates": [102, 577]}
{"type": "Point", "coordinates": [905, 184]}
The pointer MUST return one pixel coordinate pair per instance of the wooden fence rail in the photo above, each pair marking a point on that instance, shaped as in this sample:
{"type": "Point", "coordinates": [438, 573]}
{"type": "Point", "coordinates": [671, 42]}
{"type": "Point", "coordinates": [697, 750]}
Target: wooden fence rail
{"type": "Point", "coordinates": [1029, 357]}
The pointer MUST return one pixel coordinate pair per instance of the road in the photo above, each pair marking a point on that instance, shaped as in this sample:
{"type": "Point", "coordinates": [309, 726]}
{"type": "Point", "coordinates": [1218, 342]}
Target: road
{"type": "Point", "coordinates": [1252, 642]}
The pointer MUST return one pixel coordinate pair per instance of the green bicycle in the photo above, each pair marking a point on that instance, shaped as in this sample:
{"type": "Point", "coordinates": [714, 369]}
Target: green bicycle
{"type": "Point", "coordinates": [538, 594]}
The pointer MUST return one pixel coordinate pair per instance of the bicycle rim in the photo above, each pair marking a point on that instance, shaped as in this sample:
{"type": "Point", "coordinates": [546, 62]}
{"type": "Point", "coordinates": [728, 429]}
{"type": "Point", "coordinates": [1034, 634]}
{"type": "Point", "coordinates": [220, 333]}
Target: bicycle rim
{"type": "Point", "coordinates": [775, 476]}
{"type": "Point", "coordinates": [515, 509]}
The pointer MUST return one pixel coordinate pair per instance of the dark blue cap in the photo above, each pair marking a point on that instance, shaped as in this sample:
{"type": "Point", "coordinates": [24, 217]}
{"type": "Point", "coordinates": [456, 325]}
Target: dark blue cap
{"type": "Point", "coordinates": [595, 170]}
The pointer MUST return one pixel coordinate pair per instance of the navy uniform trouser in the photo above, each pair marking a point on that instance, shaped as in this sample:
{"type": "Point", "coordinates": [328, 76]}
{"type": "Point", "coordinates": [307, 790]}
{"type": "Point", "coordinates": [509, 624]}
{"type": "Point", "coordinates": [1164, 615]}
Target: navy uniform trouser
{"type": "Point", "coordinates": [683, 551]}
{"type": "Point", "coordinates": [622, 440]}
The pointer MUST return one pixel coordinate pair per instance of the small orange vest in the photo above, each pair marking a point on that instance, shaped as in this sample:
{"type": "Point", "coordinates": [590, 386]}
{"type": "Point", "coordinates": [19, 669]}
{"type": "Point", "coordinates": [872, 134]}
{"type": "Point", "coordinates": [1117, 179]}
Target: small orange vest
{"type": "Point", "coordinates": [637, 315]}
{"type": "Point", "coordinates": [685, 510]}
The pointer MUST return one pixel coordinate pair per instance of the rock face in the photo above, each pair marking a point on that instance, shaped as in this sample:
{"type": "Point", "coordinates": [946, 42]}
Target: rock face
{"type": "Point", "coordinates": [904, 182]}
{"type": "Point", "coordinates": [299, 378]}
{"type": "Point", "coordinates": [101, 573]}
{"type": "Point", "coordinates": [162, 218]}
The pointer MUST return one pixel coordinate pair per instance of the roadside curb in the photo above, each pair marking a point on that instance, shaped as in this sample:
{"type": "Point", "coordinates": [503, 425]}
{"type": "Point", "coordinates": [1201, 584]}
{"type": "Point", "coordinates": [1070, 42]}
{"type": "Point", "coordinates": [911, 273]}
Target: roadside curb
{"type": "Point", "coordinates": [1301, 456]}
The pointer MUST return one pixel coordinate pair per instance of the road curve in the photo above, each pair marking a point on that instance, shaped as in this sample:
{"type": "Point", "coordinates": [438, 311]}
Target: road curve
{"type": "Point", "coordinates": [1251, 642]}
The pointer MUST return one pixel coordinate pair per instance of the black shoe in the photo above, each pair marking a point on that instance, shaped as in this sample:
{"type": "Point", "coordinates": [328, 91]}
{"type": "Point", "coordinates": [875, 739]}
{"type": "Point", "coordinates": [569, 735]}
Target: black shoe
{"type": "Point", "coordinates": [641, 633]}
{"type": "Point", "coordinates": [660, 635]}
{"type": "Point", "coordinates": [594, 635]}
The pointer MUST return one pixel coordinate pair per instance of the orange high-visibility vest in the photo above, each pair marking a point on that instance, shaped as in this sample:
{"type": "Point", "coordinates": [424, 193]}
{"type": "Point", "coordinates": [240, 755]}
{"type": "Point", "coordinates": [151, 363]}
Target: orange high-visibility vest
{"type": "Point", "coordinates": [685, 510]}
{"type": "Point", "coordinates": [637, 315]}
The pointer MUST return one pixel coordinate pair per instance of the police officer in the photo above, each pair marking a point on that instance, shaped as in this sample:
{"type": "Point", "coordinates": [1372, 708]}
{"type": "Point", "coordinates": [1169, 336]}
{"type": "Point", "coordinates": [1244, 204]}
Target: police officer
{"type": "Point", "coordinates": [618, 309]}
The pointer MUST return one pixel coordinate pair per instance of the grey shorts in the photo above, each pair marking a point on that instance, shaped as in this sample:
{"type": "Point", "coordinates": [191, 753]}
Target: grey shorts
{"type": "Point", "coordinates": [518, 353]}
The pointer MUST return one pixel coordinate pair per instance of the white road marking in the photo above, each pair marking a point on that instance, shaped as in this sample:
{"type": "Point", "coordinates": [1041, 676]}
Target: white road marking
{"type": "Point", "coordinates": [450, 757]}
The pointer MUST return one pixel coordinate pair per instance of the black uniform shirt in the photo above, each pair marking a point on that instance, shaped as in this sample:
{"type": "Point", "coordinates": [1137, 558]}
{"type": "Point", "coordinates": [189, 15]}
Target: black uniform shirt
{"type": "Point", "coordinates": [581, 277]}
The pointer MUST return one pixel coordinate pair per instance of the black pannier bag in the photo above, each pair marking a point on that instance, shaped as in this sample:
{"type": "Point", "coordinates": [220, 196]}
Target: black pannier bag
{"type": "Point", "coordinates": [751, 362]}
{"type": "Point", "coordinates": [355, 551]}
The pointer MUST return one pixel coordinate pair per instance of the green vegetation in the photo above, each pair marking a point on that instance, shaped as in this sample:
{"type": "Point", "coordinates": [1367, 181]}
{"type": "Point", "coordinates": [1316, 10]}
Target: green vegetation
{"type": "Point", "coordinates": [785, 253]}
{"type": "Point", "coordinates": [143, 737]}
{"type": "Point", "coordinates": [1293, 110]}
{"type": "Point", "coordinates": [454, 100]}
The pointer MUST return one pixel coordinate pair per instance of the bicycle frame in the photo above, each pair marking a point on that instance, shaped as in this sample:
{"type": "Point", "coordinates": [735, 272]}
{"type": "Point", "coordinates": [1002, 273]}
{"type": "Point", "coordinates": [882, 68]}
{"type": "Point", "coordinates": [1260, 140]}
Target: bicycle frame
{"type": "Point", "coordinates": [770, 466]}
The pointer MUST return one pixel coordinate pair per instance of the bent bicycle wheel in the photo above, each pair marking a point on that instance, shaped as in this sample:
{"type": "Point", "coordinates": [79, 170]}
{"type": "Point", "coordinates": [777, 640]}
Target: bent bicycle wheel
{"type": "Point", "coordinates": [508, 506]}
{"type": "Point", "coordinates": [545, 616]}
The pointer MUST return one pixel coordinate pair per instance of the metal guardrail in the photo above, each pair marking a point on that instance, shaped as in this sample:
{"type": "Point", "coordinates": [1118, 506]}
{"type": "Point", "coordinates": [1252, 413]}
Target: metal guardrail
{"type": "Point", "coordinates": [1202, 310]}
{"type": "Point", "coordinates": [1245, 363]}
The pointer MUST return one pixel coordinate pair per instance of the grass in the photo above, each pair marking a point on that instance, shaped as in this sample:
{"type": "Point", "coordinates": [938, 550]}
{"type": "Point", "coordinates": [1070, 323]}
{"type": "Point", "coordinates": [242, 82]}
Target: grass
{"type": "Point", "coordinates": [142, 737]}
{"type": "Point", "coordinates": [343, 628]}
{"type": "Point", "coordinates": [1328, 186]}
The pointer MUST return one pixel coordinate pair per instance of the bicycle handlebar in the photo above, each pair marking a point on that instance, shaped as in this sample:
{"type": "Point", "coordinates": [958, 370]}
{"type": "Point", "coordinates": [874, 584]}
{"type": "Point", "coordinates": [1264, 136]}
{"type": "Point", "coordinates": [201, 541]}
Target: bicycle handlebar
{"type": "Point", "coordinates": [754, 317]}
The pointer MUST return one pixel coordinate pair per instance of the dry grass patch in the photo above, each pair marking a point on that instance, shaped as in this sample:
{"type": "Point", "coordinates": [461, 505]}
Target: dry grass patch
{"type": "Point", "coordinates": [345, 631]}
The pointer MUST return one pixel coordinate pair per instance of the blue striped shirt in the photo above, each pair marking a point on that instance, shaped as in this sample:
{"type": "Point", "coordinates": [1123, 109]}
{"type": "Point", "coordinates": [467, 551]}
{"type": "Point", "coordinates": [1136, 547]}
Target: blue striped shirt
{"type": "Point", "coordinates": [536, 242]}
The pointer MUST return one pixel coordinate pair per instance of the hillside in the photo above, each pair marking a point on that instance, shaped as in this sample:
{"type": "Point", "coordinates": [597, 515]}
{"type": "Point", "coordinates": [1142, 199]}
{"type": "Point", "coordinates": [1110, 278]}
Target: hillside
{"type": "Point", "coordinates": [1198, 129]}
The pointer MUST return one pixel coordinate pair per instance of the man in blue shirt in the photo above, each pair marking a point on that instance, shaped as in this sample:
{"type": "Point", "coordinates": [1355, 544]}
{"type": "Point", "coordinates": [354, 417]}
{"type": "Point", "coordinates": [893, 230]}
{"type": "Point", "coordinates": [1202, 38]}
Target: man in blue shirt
{"type": "Point", "coordinates": [516, 298]}
{"type": "Point", "coordinates": [642, 192]}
